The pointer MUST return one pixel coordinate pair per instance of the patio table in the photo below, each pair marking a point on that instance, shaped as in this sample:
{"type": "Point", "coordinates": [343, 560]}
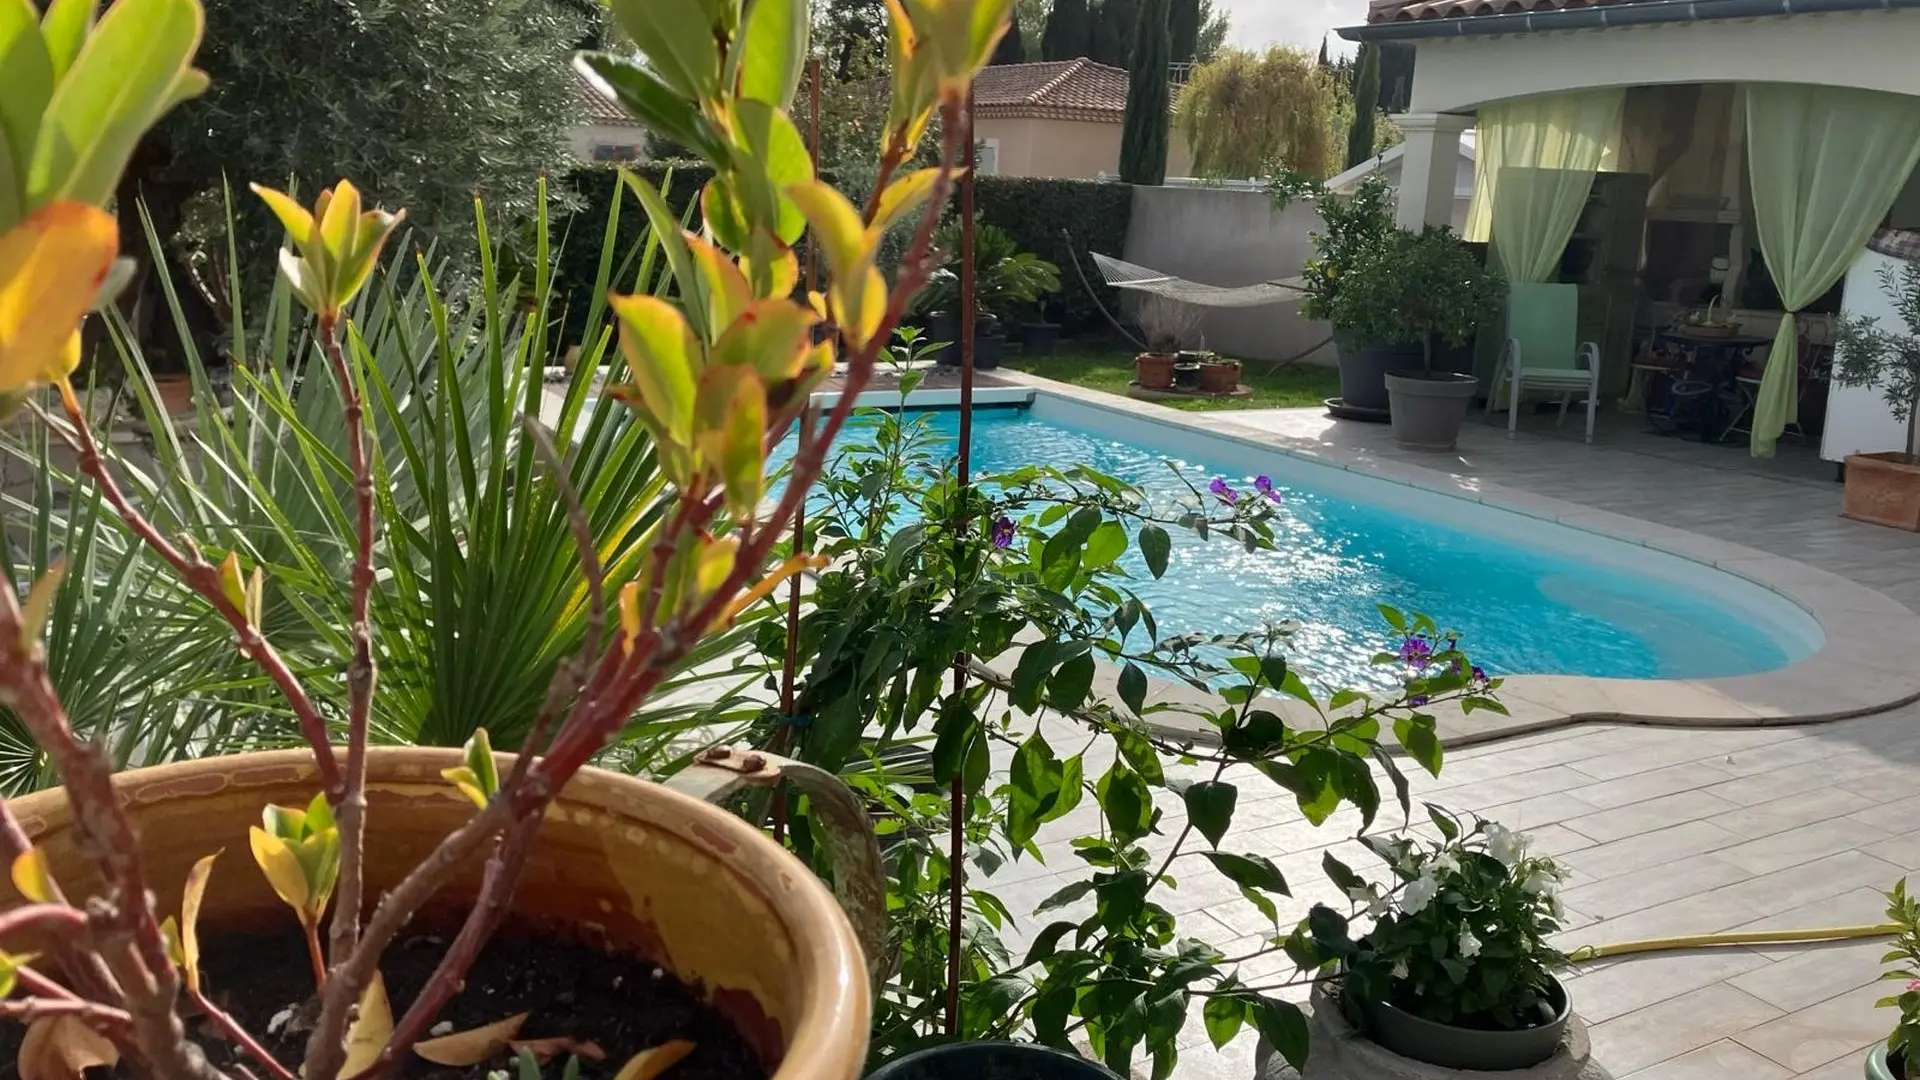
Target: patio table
{"type": "Point", "coordinates": [1718, 359]}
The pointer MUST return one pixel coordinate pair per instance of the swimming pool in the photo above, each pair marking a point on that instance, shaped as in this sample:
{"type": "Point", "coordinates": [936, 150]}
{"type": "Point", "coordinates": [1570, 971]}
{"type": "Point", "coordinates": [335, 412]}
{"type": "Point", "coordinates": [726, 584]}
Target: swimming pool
{"type": "Point", "coordinates": [1528, 596]}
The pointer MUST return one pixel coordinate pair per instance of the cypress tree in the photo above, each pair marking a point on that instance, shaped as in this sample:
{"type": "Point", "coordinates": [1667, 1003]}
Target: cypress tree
{"type": "Point", "coordinates": [1183, 30]}
{"type": "Point", "coordinates": [1366, 102]}
{"type": "Point", "coordinates": [1068, 33]}
{"type": "Point", "coordinates": [1011, 49]}
{"type": "Point", "coordinates": [1115, 32]}
{"type": "Point", "coordinates": [1143, 139]}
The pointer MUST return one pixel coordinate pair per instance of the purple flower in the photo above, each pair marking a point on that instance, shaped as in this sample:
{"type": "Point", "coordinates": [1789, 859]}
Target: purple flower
{"type": "Point", "coordinates": [1226, 494]}
{"type": "Point", "coordinates": [1417, 700]}
{"type": "Point", "coordinates": [1264, 485]}
{"type": "Point", "coordinates": [1479, 677]}
{"type": "Point", "coordinates": [1415, 652]}
{"type": "Point", "coordinates": [1002, 531]}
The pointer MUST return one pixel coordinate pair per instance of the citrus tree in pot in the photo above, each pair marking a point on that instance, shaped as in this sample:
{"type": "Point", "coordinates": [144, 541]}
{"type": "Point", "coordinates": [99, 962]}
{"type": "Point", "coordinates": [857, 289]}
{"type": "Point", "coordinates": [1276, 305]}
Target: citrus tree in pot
{"type": "Point", "coordinates": [1415, 289]}
{"type": "Point", "coordinates": [1456, 969]}
{"type": "Point", "coordinates": [1893, 1059]}
{"type": "Point", "coordinates": [1885, 488]}
{"type": "Point", "coordinates": [709, 926]}
{"type": "Point", "coordinates": [1355, 227]}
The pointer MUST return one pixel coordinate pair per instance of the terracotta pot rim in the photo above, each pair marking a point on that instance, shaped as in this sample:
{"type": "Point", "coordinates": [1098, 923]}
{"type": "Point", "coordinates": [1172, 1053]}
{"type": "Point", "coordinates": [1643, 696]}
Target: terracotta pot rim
{"type": "Point", "coordinates": [834, 997]}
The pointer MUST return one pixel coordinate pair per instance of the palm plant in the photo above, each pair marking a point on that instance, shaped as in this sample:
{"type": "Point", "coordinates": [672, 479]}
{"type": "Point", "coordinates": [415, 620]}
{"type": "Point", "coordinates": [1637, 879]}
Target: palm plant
{"type": "Point", "coordinates": [483, 594]}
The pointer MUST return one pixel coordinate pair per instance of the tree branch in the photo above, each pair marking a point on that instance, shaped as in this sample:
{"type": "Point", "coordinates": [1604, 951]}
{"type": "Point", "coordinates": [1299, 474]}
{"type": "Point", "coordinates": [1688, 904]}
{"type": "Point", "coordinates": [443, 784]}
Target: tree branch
{"type": "Point", "coordinates": [200, 576]}
{"type": "Point", "coordinates": [241, 1037]}
{"type": "Point", "coordinates": [350, 809]}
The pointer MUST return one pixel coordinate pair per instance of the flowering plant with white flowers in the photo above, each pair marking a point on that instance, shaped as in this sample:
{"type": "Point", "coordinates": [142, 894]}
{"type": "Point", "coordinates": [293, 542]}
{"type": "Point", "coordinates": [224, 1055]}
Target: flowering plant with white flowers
{"type": "Point", "coordinates": [1459, 932]}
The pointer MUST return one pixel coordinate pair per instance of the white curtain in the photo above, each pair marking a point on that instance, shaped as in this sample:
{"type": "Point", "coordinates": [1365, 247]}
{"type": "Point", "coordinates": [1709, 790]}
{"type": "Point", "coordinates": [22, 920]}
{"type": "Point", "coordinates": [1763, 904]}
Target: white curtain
{"type": "Point", "coordinates": [1826, 164]}
{"type": "Point", "coordinates": [1534, 164]}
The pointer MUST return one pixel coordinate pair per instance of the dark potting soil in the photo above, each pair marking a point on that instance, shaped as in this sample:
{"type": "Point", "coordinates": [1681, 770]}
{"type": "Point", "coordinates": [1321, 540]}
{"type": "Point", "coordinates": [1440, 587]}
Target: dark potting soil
{"type": "Point", "coordinates": [584, 992]}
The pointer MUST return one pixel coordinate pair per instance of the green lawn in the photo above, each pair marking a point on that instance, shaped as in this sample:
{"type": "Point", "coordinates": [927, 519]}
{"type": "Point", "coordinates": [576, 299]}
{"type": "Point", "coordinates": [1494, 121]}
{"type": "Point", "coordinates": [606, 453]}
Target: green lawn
{"type": "Point", "coordinates": [1109, 369]}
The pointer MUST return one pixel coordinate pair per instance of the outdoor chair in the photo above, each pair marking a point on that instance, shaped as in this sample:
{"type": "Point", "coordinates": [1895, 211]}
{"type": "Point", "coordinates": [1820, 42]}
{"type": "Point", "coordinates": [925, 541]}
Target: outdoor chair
{"type": "Point", "coordinates": [1541, 353]}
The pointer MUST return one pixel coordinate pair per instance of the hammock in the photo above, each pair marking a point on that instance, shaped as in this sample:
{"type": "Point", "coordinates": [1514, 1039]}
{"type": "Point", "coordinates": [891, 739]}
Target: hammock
{"type": "Point", "coordinates": [1125, 275]}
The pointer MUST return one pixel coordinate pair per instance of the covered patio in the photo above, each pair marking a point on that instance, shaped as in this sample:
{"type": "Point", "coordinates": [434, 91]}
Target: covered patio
{"type": "Point", "coordinates": [1721, 179]}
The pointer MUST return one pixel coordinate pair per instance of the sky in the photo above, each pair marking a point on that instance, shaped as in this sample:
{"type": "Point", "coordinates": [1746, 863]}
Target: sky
{"type": "Point", "coordinates": [1257, 23]}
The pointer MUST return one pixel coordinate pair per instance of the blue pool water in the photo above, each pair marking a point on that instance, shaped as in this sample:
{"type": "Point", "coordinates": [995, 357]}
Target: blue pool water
{"type": "Point", "coordinates": [1521, 606]}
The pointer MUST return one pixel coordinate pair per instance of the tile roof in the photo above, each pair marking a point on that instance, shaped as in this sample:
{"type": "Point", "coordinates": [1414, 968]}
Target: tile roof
{"type": "Point", "coordinates": [1057, 89]}
{"type": "Point", "coordinates": [1380, 11]}
{"type": "Point", "coordinates": [599, 108]}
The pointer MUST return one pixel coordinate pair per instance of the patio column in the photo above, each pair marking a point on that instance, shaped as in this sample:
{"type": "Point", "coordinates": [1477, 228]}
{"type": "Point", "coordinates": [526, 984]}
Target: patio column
{"type": "Point", "coordinates": [1429, 166]}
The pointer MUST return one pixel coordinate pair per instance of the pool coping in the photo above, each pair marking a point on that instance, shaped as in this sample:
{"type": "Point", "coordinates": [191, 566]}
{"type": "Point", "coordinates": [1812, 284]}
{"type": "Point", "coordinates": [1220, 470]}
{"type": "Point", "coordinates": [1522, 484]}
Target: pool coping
{"type": "Point", "coordinates": [1866, 664]}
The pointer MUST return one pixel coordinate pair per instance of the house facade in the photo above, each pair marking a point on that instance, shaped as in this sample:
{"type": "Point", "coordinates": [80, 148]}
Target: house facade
{"type": "Point", "coordinates": [1060, 119]}
{"type": "Point", "coordinates": [1757, 147]}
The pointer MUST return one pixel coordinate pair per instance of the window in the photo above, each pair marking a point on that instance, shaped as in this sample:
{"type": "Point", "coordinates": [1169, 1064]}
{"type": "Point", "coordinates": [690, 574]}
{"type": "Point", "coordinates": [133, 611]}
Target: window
{"type": "Point", "coordinates": [616, 152]}
{"type": "Point", "coordinates": [986, 157]}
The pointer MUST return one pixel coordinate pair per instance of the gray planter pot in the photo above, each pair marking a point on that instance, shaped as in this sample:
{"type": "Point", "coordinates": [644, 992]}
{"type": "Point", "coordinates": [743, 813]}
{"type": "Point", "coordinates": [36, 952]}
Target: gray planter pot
{"type": "Point", "coordinates": [1463, 1048]}
{"type": "Point", "coordinates": [1881, 1066]}
{"type": "Point", "coordinates": [991, 1061]}
{"type": "Point", "coordinates": [1429, 407]}
{"type": "Point", "coordinates": [1363, 372]}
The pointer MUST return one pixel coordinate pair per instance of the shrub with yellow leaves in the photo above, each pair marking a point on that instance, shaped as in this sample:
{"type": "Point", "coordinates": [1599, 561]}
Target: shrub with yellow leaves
{"type": "Point", "coordinates": [716, 377]}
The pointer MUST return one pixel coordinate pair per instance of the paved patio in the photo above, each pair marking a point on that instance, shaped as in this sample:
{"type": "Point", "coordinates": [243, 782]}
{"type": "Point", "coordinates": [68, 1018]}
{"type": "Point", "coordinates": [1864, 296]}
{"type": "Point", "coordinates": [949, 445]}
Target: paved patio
{"type": "Point", "coordinates": [1666, 831]}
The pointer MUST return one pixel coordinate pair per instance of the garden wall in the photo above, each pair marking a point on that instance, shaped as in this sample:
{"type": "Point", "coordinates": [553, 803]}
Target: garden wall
{"type": "Point", "coordinates": [1222, 236]}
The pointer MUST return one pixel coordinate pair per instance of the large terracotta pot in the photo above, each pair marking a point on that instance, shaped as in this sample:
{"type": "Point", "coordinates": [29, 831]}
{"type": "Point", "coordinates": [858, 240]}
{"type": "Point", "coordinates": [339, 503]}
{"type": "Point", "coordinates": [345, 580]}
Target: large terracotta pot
{"type": "Point", "coordinates": [1153, 370]}
{"type": "Point", "coordinates": [619, 860]}
{"type": "Point", "coordinates": [1220, 376]}
{"type": "Point", "coordinates": [1883, 489]}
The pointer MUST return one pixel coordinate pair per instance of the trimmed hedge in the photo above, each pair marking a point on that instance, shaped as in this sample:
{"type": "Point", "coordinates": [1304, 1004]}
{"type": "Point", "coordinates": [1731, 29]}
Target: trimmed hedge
{"type": "Point", "coordinates": [1093, 215]}
{"type": "Point", "coordinates": [1059, 220]}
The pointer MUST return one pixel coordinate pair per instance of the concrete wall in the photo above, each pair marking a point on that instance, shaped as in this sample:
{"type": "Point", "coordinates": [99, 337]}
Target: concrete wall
{"type": "Point", "coordinates": [1065, 149]}
{"type": "Point", "coordinates": [1872, 50]}
{"type": "Point", "coordinates": [1219, 236]}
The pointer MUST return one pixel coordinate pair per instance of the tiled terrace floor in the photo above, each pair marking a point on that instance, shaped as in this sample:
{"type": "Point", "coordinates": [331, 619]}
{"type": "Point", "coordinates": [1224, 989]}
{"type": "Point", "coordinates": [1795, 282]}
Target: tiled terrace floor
{"type": "Point", "coordinates": [1666, 832]}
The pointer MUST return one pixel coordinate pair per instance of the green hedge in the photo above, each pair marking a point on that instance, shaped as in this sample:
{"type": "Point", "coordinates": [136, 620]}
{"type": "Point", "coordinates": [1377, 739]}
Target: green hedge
{"type": "Point", "coordinates": [1092, 214]}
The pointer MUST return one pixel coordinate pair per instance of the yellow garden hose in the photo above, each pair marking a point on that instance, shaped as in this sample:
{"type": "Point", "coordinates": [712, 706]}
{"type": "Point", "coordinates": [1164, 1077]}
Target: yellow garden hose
{"type": "Point", "coordinates": [1737, 937]}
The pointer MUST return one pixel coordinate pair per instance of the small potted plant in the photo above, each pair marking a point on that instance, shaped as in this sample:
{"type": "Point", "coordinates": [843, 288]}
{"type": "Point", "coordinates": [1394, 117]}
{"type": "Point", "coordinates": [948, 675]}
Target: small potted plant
{"type": "Point", "coordinates": [1456, 969]}
{"type": "Point", "coordinates": [1415, 288]}
{"type": "Point", "coordinates": [1357, 226]}
{"type": "Point", "coordinates": [1005, 279]}
{"type": "Point", "coordinates": [1218, 375]}
{"type": "Point", "coordinates": [1168, 326]}
{"type": "Point", "coordinates": [1891, 1060]}
{"type": "Point", "coordinates": [1885, 488]}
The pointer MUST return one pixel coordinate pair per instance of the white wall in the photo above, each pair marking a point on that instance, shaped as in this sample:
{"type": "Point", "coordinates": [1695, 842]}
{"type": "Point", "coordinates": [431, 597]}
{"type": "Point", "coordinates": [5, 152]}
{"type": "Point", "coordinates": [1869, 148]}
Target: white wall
{"type": "Point", "coordinates": [1874, 50]}
{"type": "Point", "coordinates": [1219, 236]}
{"type": "Point", "coordinates": [584, 137]}
{"type": "Point", "coordinates": [1858, 419]}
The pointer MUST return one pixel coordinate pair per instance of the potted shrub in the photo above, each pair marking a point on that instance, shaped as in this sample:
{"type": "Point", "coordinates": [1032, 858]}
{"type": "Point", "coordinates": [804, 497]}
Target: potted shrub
{"type": "Point", "coordinates": [1456, 969]}
{"type": "Point", "coordinates": [1357, 226]}
{"type": "Point", "coordinates": [1416, 288]}
{"type": "Point", "coordinates": [1891, 1060]}
{"type": "Point", "coordinates": [1168, 326]}
{"type": "Point", "coordinates": [1219, 375]}
{"type": "Point", "coordinates": [1885, 488]}
{"type": "Point", "coordinates": [118, 907]}
{"type": "Point", "coordinates": [1005, 280]}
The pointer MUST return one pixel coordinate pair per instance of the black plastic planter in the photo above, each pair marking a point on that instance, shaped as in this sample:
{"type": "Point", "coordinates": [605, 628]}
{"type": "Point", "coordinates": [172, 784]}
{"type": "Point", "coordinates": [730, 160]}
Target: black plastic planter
{"type": "Point", "coordinates": [991, 1061]}
{"type": "Point", "coordinates": [1039, 338]}
{"type": "Point", "coordinates": [1452, 1047]}
{"type": "Point", "coordinates": [1363, 372]}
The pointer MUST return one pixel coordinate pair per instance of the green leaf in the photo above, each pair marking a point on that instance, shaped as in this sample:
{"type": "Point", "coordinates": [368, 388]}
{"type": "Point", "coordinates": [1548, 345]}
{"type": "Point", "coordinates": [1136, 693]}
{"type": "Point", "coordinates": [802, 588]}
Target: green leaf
{"type": "Point", "coordinates": [1210, 806]}
{"type": "Point", "coordinates": [1030, 675]}
{"type": "Point", "coordinates": [1045, 942]}
{"type": "Point", "coordinates": [1067, 895]}
{"type": "Point", "coordinates": [1155, 546]}
{"type": "Point", "coordinates": [1067, 687]}
{"type": "Point", "coordinates": [1223, 1016]}
{"type": "Point", "coordinates": [774, 50]}
{"type": "Point", "coordinates": [958, 728]}
{"type": "Point", "coordinates": [1340, 873]}
{"type": "Point", "coordinates": [1353, 781]}
{"type": "Point", "coordinates": [642, 94]}
{"type": "Point", "coordinates": [1284, 1027]}
{"type": "Point", "coordinates": [1104, 545]}
{"type": "Point", "coordinates": [1071, 789]}
{"type": "Point", "coordinates": [677, 40]}
{"type": "Point", "coordinates": [131, 70]}
{"type": "Point", "coordinates": [776, 159]}
{"type": "Point", "coordinates": [1133, 687]}
{"type": "Point", "coordinates": [1448, 825]}
{"type": "Point", "coordinates": [64, 28]}
{"type": "Point", "coordinates": [1127, 803]}
{"type": "Point", "coordinates": [1249, 871]}
{"type": "Point", "coordinates": [26, 72]}
{"type": "Point", "coordinates": [1416, 736]}
{"type": "Point", "coordinates": [1394, 618]}
{"type": "Point", "coordinates": [1260, 734]}
{"type": "Point", "coordinates": [1140, 754]}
